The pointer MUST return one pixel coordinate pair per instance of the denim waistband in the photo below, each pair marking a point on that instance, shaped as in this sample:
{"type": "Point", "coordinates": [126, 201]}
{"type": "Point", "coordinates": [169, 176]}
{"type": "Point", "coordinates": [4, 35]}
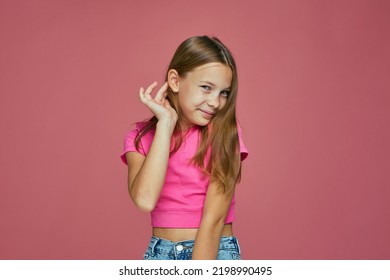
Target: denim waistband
{"type": "Point", "coordinates": [163, 245]}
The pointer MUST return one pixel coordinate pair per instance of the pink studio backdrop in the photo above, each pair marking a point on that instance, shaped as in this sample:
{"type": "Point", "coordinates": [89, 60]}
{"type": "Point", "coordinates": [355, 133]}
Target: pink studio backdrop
{"type": "Point", "coordinates": [313, 104]}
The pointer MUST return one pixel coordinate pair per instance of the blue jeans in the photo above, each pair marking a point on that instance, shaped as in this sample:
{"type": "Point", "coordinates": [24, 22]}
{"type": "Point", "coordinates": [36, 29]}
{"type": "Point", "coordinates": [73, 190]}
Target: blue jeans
{"type": "Point", "coordinates": [162, 249]}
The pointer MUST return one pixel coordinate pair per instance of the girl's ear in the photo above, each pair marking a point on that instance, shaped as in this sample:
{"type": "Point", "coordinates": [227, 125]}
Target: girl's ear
{"type": "Point", "coordinates": [173, 80]}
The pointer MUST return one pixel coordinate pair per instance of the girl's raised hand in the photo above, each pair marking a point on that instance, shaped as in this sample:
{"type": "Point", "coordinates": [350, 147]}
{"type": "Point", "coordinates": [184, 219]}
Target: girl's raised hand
{"type": "Point", "coordinates": [159, 105]}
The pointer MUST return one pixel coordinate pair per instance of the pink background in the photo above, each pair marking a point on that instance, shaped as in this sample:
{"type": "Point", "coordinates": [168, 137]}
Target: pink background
{"type": "Point", "coordinates": [313, 103]}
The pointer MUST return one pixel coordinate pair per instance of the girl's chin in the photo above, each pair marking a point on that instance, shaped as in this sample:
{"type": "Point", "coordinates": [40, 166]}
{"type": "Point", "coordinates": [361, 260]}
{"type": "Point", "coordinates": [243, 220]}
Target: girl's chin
{"type": "Point", "coordinates": [200, 120]}
{"type": "Point", "coordinates": [184, 127]}
{"type": "Point", "coordinates": [203, 122]}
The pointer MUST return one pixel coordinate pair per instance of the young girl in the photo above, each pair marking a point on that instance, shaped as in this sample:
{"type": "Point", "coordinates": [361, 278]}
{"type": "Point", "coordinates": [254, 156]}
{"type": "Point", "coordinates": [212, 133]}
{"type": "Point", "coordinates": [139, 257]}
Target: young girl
{"type": "Point", "coordinates": [184, 163]}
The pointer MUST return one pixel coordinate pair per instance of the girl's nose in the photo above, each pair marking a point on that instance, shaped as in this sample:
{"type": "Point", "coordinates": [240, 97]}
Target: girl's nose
{"type": "Point", "coordinates": [213, 100]}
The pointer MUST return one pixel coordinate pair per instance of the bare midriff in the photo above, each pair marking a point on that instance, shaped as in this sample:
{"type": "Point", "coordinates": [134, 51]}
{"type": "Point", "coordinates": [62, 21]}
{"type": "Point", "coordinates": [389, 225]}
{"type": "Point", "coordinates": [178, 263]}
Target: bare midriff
{"type": "Point", "coordinates": [181, 234]}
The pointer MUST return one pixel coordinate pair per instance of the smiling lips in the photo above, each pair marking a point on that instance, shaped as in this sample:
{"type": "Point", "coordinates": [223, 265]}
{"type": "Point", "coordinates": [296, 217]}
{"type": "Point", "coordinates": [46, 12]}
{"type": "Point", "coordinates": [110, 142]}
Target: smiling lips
{"type": "Point", "coordinates": [207, 114]}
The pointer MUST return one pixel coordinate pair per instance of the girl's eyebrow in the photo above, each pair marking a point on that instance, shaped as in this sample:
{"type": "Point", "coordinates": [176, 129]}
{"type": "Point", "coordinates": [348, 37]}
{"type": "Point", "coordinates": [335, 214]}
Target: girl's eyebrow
{"type": "Point", "coordinates": [212, 84]}
{"type": "Point", "coordinates": [207, 82]}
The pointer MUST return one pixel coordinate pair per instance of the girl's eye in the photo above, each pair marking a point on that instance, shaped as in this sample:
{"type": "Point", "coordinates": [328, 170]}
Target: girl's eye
{"type": "Point", "coordinates": [225, 93]}
{"type": "Point", "coordinates": [206, 87]}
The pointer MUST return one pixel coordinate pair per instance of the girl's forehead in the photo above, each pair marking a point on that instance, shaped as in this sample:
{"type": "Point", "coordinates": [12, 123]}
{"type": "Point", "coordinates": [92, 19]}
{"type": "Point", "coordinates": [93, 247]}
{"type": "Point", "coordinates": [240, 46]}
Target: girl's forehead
{"type": "Point", "coordinates": [210, 65]}
{"type": "Point", "coordinates": [215, 72]}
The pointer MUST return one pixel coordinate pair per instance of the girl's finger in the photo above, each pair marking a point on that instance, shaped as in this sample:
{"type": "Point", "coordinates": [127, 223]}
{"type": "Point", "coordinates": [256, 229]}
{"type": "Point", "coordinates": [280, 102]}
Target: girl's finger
{"type": "Point", "coordinates": [150, 89]}
{"type": "Point", "coordinates": [161, 93]}
{"type": "Point", "coordinates": [141, 94]}
{"type": "Point", "coordinates": [144, 97]}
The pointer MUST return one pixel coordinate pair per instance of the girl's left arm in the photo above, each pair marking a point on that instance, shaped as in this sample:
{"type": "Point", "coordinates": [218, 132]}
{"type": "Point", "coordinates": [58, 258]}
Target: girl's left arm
{"type": "Point", "coordinates": [215, 210]}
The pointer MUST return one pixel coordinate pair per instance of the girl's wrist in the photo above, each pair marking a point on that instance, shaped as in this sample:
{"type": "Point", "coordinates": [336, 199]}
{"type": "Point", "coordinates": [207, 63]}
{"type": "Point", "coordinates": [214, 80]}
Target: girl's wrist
{"type": "Point", "coordinates": [166, 125]}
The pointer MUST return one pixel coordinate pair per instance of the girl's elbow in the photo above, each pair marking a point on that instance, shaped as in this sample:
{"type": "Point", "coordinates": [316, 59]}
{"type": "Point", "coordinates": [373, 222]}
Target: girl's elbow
{"type": "Point", "coordinates": [215, 221]}
{"type": "Point", "coordinates": [144, 205]}
{"type": "Point", "coordinates": [144, 199]}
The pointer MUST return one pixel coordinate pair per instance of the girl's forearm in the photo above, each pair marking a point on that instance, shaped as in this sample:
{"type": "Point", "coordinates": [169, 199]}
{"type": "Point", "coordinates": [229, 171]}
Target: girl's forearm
{"type": "Point", "coordinates": [207, 240]}
{"type": "Point", "coordinates": [147, 185]}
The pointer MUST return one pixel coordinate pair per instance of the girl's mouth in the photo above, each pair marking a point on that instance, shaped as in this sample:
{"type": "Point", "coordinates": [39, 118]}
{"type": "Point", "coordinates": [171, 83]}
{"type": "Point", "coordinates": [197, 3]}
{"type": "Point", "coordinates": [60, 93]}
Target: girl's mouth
{"type": "Point", "coordinates": [207, 114]}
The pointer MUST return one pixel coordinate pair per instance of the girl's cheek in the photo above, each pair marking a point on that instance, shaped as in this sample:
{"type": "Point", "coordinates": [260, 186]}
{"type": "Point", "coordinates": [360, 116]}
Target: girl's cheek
{"type": "Point", "coordinates": [222, 102]}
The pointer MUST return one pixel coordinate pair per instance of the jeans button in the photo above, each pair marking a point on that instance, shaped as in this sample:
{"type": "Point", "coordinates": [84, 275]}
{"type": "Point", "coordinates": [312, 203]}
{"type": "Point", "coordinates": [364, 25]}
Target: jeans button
{"type": "Point", "coordinates": [179, 248]}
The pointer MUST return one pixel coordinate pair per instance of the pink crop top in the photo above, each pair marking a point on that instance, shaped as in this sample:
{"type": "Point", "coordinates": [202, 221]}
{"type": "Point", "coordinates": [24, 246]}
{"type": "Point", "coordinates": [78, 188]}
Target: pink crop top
{"type": "Point", "coordinates": [181, 200]}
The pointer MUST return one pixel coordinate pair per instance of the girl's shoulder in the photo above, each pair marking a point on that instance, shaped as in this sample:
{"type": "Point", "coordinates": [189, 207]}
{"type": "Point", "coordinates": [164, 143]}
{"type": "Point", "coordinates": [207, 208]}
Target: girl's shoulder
{"type": "Point", "coordinates": [140, 125]}
{"type": "Point", "coordinates": [146, 138]}
{"type": "Point", "coordinates": [136, 129]}
{"type": "Point", "coordinates": [145, 141]}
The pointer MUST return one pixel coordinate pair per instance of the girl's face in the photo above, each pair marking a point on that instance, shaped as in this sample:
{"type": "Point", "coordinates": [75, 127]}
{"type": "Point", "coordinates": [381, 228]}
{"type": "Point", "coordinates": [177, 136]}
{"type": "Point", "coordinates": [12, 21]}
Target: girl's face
{"type": "Point", "coordinates": [202, 92]}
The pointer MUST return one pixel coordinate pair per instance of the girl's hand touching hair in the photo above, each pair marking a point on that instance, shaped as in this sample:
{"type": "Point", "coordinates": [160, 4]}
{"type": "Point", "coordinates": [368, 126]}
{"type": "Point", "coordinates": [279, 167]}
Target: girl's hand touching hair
{"type": "Point", "coordinates": [159, 105]}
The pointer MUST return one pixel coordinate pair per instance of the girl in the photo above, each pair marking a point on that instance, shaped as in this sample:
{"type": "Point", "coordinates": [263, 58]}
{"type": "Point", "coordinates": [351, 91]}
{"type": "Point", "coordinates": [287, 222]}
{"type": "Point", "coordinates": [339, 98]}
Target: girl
{"type": "Point", "coordinates": [184, 163]}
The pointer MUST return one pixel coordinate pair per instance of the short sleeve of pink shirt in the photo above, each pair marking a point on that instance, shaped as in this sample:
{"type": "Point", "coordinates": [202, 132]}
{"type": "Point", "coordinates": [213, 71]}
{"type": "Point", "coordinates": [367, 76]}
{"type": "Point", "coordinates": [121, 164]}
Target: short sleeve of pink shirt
{"type": "Point", "coordinates": [129, 145]}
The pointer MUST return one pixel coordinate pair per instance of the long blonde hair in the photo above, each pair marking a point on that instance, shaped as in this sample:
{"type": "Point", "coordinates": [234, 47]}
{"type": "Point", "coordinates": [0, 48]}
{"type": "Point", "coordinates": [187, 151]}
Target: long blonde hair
{"type": "Point", "coordinates": [221, 135]}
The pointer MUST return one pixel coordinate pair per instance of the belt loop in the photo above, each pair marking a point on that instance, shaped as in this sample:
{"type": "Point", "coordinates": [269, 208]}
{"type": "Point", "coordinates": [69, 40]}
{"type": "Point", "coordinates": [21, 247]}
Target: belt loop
{"type": "Point", "coordinates": [157, 240]}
